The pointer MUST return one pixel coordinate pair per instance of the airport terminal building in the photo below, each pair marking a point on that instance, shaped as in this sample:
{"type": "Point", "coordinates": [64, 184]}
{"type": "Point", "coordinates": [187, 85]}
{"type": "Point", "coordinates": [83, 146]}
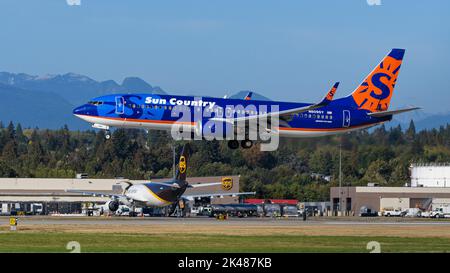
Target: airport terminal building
{"type": "Point", "coordinates": [23, 194]}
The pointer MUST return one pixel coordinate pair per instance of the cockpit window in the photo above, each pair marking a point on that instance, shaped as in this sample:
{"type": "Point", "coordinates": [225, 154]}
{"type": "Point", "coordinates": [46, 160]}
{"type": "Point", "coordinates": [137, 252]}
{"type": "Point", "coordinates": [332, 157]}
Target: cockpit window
{"type": "Point", "coordinates": [93, 102]}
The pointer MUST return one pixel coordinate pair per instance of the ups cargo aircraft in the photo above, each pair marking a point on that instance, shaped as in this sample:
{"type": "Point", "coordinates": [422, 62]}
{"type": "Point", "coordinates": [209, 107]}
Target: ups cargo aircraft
{"type": "Point", "coordinates": [366, 106]}
{"type": "Point", "coordinates": [161, 194]}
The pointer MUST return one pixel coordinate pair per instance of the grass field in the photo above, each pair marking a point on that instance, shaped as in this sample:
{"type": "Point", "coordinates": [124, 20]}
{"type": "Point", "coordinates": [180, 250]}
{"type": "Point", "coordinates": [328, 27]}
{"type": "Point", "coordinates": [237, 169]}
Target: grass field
{"type": "Point", "coordinates": [50, 234]}
{"type": "Point", "coordinates": [127, 242]}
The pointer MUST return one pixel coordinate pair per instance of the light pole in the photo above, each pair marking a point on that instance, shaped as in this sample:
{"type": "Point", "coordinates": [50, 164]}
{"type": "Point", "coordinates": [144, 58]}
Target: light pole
{"type": "Point", "coordinates": [174, 158]}
{"type": "Point", "coordinates": [340, 175]}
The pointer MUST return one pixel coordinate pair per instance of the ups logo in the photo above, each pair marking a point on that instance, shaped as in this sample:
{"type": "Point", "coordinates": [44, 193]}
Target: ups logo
{"type": "Point", "coordinates": [182, 164]}
{"type": "Point", "coordinates": [227, 183]}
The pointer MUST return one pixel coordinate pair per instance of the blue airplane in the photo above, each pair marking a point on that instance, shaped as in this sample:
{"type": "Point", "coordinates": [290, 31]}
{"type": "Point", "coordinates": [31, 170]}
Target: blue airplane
{"type": "Point", "coordinates": [366, 106]}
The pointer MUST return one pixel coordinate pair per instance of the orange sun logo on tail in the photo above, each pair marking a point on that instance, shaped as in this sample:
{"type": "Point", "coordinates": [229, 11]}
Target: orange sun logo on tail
{"type": "Point", "coordinates": [375, 93]}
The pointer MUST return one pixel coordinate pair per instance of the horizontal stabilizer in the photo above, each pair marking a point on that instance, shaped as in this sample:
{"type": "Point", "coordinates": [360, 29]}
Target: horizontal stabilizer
{"type": "Point", "coordinates": [390, 113]}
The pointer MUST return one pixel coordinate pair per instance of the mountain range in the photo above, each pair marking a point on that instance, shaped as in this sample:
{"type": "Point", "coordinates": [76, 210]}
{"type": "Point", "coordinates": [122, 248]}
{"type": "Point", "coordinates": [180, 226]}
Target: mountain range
{"type": "Point", "coordinates": [47, 101]}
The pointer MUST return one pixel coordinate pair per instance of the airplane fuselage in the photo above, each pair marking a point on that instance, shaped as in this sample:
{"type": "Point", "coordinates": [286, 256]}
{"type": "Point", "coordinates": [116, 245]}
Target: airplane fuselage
{"type": "Point", "coordinates": [156, 195]}
{"type": "Point", "coordinates": [150, 111]}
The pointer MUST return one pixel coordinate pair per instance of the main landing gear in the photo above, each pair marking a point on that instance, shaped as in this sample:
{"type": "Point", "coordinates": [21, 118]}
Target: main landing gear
{"type": "Point", "coordinates": [245, 144]}
{"type": "Point", "coordinates": [107, 134]}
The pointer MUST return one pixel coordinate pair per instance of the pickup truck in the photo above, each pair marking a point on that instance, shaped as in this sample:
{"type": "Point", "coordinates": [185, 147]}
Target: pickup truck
{"type": "Point", "coordinates": [394, 213]}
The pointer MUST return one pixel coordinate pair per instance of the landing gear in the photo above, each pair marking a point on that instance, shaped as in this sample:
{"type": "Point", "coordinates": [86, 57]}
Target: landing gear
{"type": "Point", "coordinates": [246, 144]}
{"type": "Point", "coordinates": [233, 144]}
{"type": "Point", "coordinates": [107, 135]}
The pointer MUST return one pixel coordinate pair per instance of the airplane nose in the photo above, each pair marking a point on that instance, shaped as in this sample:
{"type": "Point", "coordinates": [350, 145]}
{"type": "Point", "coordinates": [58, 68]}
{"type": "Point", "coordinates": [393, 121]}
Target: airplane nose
{"type": "Point", "coordinates": [79, 110]}
{"type": "Point", "coordinates": [86, 109]}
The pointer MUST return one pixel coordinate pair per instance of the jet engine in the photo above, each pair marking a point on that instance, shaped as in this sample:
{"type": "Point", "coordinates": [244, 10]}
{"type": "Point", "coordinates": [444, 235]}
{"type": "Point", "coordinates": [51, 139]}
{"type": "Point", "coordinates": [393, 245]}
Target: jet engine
{"type": "Point", "coordinates": [113, 205]}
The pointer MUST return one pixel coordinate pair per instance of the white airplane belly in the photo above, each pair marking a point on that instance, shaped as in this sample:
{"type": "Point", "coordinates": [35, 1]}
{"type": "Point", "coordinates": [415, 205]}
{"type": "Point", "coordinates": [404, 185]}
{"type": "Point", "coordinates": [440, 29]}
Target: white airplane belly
{"type": "Point", "coordinates": [304, 132]}
{"type": "Point", "coordinates": [143, 194]}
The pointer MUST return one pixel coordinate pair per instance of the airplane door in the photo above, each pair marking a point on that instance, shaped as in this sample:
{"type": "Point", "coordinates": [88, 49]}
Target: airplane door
{"type": "Point", "coordinates": [120, 107]}
{"type": "Point", "coordinates": [346, 118]}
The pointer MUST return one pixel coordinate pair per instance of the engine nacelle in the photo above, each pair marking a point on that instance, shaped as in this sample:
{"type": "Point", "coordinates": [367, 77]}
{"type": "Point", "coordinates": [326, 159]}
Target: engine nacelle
{"type": "Point", "coordinates": [113, 205]}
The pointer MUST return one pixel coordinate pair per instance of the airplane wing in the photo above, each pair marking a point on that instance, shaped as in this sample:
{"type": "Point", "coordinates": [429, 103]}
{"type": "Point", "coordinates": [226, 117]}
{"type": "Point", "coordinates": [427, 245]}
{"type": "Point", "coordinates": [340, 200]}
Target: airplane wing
{"type": "Point", "coordinates": [173, 185]}
{"type": "Point", "coordinates": [95, 194]}
{"type": "Point", "coordinates": [204, 184]}
{"type": "Point", "coordinates": [325, 101]}
{"type": "Point", "coordinates": [221, 195]}
{"type": "Point", "coordinates": [390, 113]}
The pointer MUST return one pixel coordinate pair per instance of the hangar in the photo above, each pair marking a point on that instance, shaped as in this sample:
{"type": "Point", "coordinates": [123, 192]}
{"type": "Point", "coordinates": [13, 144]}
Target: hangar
{"type": "Point", "coordinates": [381, 198]}
{"type": "Point", "coordinates": [48, 194]}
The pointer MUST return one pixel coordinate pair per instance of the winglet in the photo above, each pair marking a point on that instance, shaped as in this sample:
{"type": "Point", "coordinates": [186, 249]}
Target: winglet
{"type": "Point", "coordinates": [329, 97]}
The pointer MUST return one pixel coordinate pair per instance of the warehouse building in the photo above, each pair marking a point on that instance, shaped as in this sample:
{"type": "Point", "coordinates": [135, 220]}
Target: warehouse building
{"type": "Point", "coordinates": [49, 196]}
{"type": "Point", "coordinates": [429, 187]}
{"type": "Point", "coordinates": [384, 198]}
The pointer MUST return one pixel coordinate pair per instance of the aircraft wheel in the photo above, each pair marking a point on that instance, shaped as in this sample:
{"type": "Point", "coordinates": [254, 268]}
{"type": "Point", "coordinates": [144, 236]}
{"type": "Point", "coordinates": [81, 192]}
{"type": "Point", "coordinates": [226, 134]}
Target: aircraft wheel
{"type": "Point", "coordinates": [233, 144]}
{"type": "Point", "coordinates": [246, 144]}
{"type": "Point", "coordinates": [108, 135]}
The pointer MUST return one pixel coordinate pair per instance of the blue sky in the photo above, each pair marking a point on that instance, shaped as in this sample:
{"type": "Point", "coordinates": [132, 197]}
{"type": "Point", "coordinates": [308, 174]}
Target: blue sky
{"type": "Point", "coordinates": [286, 50]}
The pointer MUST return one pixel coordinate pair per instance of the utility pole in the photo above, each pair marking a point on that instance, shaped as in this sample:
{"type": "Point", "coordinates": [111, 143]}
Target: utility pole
{"type": "Point", "coordinates": [340, 175]}
{"type": "Point", "coordinates": [174, 158]}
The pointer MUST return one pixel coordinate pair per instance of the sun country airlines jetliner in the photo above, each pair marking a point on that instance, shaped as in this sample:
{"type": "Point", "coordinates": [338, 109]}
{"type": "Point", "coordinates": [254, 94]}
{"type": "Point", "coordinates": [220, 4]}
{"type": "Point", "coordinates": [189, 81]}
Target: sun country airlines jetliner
{"type": "Point", "coordinates": [366, 106]}
{"type": "Point", "coordinates": [161, 194]}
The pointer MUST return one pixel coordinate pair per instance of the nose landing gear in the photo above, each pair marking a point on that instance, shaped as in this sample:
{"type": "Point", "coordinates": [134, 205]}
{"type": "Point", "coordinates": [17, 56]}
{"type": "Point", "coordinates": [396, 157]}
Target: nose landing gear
{"type": "Point", "coordinates": [103, 127]}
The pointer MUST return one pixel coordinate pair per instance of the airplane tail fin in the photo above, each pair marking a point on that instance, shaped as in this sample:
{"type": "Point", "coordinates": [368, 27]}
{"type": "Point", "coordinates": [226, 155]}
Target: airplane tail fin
{"type": "Point", "coordinates": [182, 163]}
{"type": "Point", "coordinates": [375, 92]}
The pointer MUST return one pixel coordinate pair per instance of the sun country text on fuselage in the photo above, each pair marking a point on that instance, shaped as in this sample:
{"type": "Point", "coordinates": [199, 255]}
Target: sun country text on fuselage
{"type": "Point", "coordinates": [366, 106]}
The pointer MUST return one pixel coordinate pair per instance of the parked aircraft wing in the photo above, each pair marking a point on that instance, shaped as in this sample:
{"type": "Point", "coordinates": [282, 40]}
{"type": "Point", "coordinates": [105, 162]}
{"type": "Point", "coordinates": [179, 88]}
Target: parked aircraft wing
{"type": "Point", "coordinates": [173, 185]}
{"type": "Point", "coordinates": [95, 194]}
{"type": "Point", "coordinates": [192, 196]}
{"type": "Point", "coordinates": [204, 184]}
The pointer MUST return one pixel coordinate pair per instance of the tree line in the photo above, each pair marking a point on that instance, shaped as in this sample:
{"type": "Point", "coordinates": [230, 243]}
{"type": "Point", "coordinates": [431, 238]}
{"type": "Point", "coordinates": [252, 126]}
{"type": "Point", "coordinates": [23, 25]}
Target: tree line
{"type": "Point", "coordinates": [302, 169]}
